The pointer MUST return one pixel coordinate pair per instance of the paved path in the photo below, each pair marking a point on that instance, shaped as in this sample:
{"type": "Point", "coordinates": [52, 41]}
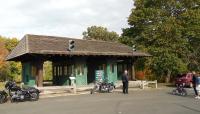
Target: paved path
{"type": "Point", "coordinates": [151, 101]}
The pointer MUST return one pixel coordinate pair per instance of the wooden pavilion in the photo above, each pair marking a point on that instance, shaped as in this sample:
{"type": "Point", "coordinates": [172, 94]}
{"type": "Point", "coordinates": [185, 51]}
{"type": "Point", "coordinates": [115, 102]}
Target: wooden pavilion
{"type": "Point", "coordinates": [82, 62]}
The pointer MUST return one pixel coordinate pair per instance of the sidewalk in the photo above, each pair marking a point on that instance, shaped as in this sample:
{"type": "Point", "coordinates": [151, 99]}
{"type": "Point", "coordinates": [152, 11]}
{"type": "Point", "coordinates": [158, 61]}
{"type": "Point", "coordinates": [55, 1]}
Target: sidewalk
{"type": "Point", "coordinates": [61, 92]}
{"type": "Point", "coordinates": [86, 90]}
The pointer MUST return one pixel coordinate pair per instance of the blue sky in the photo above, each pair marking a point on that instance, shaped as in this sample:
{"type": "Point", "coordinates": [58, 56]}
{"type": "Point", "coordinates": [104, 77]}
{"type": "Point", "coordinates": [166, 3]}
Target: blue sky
{"type": "Point", "coordinates": [61, 17]}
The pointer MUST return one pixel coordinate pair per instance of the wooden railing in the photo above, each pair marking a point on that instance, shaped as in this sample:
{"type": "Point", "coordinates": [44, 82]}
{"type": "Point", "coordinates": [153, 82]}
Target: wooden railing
{"type": "Point", "coordinates": [146, 83]}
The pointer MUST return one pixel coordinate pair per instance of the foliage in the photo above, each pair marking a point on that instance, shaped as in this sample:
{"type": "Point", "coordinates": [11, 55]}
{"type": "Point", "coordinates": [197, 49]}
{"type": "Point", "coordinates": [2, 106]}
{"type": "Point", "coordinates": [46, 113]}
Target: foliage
{"type": "Point", "coordinates": [3, 63]}
{"type": "Point", "coordinates": [8, 70]}
{"type": "Point", "coordinates": [15, 69]}
{"type": "Point", "coordinates": [11, 43]}
{"type": "Point", "coordinates": [100, 33]}
{"type": "Point", "coordinates": [47, 70]}
{"type": "Point", "coordinates": [140, 63]}
{"type": "Point", "coordinates": [168, 30]}
{"type": "Point", "coordinates": [191, 24]}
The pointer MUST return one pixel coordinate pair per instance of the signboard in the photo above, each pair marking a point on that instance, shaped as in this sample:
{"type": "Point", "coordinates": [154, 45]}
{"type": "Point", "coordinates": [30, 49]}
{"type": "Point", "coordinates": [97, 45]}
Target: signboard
{"type": "Point", "coordinates": [99, 75]}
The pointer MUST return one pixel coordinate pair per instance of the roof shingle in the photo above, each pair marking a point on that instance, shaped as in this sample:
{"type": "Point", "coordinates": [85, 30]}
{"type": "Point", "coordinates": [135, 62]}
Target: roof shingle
{"type": "Point", "coordinates": [40, 44]}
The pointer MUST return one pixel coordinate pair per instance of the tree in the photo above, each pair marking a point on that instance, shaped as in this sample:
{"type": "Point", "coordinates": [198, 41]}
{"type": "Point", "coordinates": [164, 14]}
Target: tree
{"type": "Point", "coordinates": [3, 63]}
{"type": "Point", "coordinates": [8, 70]}
{"type": "Point", "coordinates": [11, 43]}
{"type": "Point", "coordinates": [191, 23]}
{"type": "Point", "coordinates": [163, 28]}
{"type": "Point", "coordinates": [47, 67]}
{"type": "Point", "coordinates": [100, 33]}
{"type": "Point", "coordinates": [14, 67]}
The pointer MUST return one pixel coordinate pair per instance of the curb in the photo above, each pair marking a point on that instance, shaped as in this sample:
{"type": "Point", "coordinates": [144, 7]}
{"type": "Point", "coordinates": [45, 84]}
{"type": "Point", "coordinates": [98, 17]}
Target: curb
{"type": "Point", "coordinates": [51, 95]}
{"type": "Point", "coordinates": [61, 94]}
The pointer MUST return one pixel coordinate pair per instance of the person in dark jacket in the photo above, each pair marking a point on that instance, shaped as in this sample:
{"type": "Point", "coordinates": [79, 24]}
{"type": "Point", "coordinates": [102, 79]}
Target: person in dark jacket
{"type": "Point", "coordinates": [125, 82]}
{"type": "Point", "coordinates": [194, 80]}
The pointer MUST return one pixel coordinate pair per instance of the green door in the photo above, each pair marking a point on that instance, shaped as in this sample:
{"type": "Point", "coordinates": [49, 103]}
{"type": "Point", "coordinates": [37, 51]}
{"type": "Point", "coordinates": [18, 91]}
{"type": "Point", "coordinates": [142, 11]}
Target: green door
{"type": "Point", "coordinates": [81, 73]}
{"type": "Point", "coordinates": [111, 71]}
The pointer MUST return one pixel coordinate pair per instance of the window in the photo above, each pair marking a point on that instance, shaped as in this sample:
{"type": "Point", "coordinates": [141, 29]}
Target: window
{"type": "Point", "coordinates": [65, 70]}
{"type": "Point", "coordinates": [112, 68]}
{"type": "Point", "coordinates": [69, 70]}
{"type": "Point", "coordinates": [61, 73]}
{"type": "Point", "coordinates": [58, 71]}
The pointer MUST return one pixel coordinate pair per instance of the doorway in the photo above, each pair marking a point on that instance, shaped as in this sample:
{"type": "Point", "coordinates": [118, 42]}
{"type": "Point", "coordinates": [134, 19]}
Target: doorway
{"type": "Point", "coordinates": [94, 64]}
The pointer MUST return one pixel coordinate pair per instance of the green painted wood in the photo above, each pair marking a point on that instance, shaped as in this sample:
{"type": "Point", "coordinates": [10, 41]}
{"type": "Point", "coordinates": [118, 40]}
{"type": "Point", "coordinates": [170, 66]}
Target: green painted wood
{"type": "Point", "coordinates": [28, 79]}
{"type": "Point", "coordinates": [81, 78]}
{"type": "Point", "coordinates": [111, 75]}
{"type": "Point", "coordinates": [25, 73]}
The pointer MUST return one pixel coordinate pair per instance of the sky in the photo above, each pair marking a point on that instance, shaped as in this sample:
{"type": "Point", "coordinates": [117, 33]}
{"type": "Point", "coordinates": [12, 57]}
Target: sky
{"type": "Point", "coordinates": [67, 18]}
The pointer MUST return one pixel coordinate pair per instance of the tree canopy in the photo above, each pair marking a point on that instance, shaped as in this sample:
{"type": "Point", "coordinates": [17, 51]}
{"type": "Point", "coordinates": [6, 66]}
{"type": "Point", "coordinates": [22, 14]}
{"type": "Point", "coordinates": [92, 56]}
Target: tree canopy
{"type": "Point", "coordinates": [3, 64]}
{"type": "Point", "coordinates": [8, 70]}
{"type": "Point", "coordinates": [167, 29]}
{"type": "Point", "coordinates": [100, 33]}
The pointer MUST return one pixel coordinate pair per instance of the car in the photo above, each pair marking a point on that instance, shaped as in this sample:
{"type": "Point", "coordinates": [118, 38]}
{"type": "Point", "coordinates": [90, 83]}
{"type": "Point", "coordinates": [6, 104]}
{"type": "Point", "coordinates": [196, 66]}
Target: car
{"type": "Point", "coordinates": [185, 79]}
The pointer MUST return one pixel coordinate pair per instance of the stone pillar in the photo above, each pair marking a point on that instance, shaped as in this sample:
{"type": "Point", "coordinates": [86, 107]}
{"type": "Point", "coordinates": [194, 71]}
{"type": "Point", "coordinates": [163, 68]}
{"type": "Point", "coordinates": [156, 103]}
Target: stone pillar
{"type": "Point", "coordinates": [39, 73]}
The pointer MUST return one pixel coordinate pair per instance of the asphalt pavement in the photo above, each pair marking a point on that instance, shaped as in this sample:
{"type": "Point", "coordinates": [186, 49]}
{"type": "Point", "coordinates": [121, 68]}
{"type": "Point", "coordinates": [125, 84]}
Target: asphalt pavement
{"type": "Point", "coordinates": [148, 101]}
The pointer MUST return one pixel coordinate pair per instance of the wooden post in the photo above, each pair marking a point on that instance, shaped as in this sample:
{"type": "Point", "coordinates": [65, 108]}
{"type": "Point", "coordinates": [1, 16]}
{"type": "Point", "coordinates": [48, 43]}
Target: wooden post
{"type": "Point", "coordinates": [142, 84]}
{"type": "Point", "coordinates": [133, 72]}
{"type": "Point", "coordinates": [23, 72]}
{"type": "Point", "coordinates": [40, 73]}
{"type": "Point", "coordinates": [156, 83]}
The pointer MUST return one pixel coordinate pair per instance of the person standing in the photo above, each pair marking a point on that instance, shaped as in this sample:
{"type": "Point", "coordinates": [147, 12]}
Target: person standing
{"type": "Point", "coordinates": [125, 82]}
{"type": "Point", "coordinates": [194, 83]}
{"type": "Point", "coordinates": [198, 85]}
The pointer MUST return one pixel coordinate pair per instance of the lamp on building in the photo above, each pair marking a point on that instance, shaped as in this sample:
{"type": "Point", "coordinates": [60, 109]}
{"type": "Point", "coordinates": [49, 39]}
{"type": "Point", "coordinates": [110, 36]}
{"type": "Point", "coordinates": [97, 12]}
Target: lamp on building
{"type": "Point", "coordinates": [71, 45]}
{"type": "Point", "coordinates": [134, 48]}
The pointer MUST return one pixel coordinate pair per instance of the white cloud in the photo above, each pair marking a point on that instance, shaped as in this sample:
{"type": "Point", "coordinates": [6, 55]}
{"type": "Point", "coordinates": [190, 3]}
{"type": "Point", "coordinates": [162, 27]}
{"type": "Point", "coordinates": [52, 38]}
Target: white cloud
{"type": "Point", "coordinates": [61, 17]}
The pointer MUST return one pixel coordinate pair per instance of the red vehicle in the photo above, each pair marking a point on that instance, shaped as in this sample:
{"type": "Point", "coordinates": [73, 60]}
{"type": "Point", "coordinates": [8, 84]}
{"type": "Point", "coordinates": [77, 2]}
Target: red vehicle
{"type": "Point", "coordinates": [185, 79]}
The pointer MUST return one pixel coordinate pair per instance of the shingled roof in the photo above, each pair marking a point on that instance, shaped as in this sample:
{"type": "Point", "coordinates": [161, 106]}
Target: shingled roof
{"type": "Point", "coordinates": [40, 44]}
